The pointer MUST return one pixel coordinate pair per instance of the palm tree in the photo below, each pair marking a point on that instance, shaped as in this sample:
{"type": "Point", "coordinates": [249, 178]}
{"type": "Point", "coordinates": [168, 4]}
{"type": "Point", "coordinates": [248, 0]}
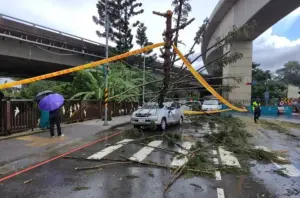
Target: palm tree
{"type": "Point", "coordinates": [92, 83]}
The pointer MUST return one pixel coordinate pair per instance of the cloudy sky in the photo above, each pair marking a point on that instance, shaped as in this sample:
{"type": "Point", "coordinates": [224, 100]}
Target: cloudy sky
{"type": "Point", "coordinates": [272, 49]}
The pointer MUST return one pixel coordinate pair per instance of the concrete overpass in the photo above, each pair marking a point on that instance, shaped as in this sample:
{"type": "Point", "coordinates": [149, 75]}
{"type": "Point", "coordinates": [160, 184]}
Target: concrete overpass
{"type": "Point", "coordinates": [28, 49]}
{"type": "Point", "coordinates": [239, 12]}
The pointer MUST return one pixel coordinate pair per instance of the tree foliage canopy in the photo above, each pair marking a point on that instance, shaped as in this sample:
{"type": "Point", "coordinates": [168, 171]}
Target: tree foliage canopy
{"type": "Point", "coordinates": [266, 80]}
{"type": "Point", "coordinates": [120, 13]}
{"type": "Point", "coordinates": [290, 73]}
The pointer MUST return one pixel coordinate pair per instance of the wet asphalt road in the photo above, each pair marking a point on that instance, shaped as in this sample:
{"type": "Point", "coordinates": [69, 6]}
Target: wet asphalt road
{"type": "Point", "coordinates": [59, 179]}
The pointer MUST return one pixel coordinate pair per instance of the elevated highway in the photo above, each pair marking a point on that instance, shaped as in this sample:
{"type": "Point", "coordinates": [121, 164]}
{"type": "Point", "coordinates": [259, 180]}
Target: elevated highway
{"type": "Point", "coordinates": [229, 13]}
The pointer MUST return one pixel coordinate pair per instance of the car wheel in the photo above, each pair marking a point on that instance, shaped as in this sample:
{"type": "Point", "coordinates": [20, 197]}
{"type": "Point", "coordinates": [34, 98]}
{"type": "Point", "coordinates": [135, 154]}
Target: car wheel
{"type": "Point", "coordinates": [180, 120]}
{"type": "Point", "coordinates": [163, 124]}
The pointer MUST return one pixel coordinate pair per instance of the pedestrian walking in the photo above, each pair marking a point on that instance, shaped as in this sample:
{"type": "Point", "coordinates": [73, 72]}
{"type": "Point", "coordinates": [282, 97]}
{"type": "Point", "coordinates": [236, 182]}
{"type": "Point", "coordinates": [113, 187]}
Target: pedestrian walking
{"type": "Point", "coordinates": [55, 119]}
{"type": "Point", "coordinates": [53, 103]}
{"type": "Point", "coordinates": [256, 109]}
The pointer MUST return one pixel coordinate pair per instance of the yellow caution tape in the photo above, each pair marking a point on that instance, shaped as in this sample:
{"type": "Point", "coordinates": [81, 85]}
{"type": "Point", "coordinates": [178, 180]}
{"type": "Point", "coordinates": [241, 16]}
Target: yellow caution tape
{"type": "Point", "coordinates": [121, 56]}
{"type": "Point", "coordinates": [205, 84]}
{"type": "Point", "coordinates": [81, 67]}
{"type": "Point", "coordinates": [205, 112]}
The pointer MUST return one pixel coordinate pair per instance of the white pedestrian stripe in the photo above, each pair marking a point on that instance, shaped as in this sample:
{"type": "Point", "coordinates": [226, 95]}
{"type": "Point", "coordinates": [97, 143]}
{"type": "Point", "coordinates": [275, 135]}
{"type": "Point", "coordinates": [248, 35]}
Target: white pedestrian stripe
{"type": "Point", "coordinates": [109, 149]}
{"type": "Point", "coordinates": [214, 152]}
{"type": "Point", "coordinates": [227, 158]}
{"type": "Point", "coordinates": [220, 192]}
{"type": "Point", "coordinates": [183, 160]}
{"type": "Point", "coordinates": [145, 151]}
{"type": "Point", "coordinates": [288, 169]}
{"type": "Point", "coordinates": [218, 175]}
{"type": "Point", "coordinates": [216, 161]}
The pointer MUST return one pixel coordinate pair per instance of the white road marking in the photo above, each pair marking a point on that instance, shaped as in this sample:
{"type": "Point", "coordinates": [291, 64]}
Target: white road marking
{"type": "Point", "coordinates": [218, 175]}
{"type": "Point", "coordinates": [220, 192]}
{"type": "Point", "coordinates": [227, 158]}
{"type": "Point", "coordinates": [288, 169]}
{"type": "Point", "coordinates": [181, 161]}
{"type": "Point", "coordinates": [145, 151]}
{"type": "Point", "coordinates": [214, 152]}
{"type": "Point", "coordinates": [216, 161]}
{"type": "Point", "coordinates": [109, 149]}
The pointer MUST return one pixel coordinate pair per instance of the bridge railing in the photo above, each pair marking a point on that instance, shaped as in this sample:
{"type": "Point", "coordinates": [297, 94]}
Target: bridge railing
{"type": "Point", "coordinates": [48, 29]}
{"type": "Point", "coordinates": [23, 115]}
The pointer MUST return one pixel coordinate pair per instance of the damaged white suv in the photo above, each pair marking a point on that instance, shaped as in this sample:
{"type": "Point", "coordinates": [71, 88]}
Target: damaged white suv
{"type": "Point", "coordinates": [170, 113]}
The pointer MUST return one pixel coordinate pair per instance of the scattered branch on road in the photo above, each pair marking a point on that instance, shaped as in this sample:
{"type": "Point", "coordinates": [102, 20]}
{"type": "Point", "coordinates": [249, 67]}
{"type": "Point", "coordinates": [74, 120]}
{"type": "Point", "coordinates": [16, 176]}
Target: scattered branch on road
{"type": "Point", "coordinates": [146, 163]}
{"type": "Point", "coordinates": [28, 181]}
{"type": "Point", "coordinates": [162, 149]}
{"type": "Point", "coordinates": [233, 136]}
{"type": "Point", "coordinates": [100, 166]}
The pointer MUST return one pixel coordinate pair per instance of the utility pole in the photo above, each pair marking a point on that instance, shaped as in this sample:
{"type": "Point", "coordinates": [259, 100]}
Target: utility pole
{"type": "Point", "coordinates": [144, 79]}
{"type": "Point", "coordinates": [106, 67]}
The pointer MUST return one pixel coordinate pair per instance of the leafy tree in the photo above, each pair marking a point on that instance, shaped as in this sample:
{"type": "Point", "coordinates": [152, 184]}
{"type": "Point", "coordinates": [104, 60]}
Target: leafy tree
{"type": "Point", "coordinates": [290, 73]}
{"type": "Point", "coordinates": [266, 80]}
{"type": "Point", "coordinates": [120, 13]}
{"type": "Point", "coordinates": [142, 41]}
{"type": "Point", "coordinates": [181, 11]}
{"type": "Point", "coordinates": [90, 84]}
{"type": "Point", "coordinates": [30, 91]}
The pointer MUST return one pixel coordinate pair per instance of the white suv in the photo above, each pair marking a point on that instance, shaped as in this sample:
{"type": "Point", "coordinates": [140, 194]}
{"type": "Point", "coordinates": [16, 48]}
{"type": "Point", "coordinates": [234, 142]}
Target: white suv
{"type": "Point", "coordinates": [211, 104]}
{"type": "Point", "coordinates": [171, 113]}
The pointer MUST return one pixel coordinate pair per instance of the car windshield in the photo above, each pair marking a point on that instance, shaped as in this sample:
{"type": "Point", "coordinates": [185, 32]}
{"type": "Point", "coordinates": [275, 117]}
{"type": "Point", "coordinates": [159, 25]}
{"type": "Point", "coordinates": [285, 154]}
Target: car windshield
{"type": "Point", "coordinates": [210, 102]}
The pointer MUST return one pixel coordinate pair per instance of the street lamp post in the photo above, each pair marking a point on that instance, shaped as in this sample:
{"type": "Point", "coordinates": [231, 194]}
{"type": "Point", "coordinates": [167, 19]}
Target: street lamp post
{"type": "Point", "coordinates": [144, 79]}
{"type": "Point", "coordinates": [106, 66]}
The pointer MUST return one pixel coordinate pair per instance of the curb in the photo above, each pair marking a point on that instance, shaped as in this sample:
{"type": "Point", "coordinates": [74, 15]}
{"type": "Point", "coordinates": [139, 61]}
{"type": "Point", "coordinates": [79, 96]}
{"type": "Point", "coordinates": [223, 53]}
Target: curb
{"type": "Point", "coordinates": [43, 131]}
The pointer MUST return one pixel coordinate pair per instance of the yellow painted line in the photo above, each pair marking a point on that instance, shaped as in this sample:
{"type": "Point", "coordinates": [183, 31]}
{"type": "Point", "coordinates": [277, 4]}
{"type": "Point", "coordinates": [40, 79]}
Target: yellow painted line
{"type": "Point", "coordinates": [81, 67]}
{"type": "Point", "coordinates": [36, 141]}
{"type": "Point", "coordinates": [205, 84]}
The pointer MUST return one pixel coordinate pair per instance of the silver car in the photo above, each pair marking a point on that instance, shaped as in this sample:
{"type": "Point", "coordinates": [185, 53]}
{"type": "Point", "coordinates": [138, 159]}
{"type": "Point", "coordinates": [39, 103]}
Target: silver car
{"type": "Point", "coordinates": [171, 113]}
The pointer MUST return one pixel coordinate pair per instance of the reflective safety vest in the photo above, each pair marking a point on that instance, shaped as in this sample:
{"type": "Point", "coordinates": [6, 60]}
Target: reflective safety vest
{"type": "Point", "coordinates": [255, 105]}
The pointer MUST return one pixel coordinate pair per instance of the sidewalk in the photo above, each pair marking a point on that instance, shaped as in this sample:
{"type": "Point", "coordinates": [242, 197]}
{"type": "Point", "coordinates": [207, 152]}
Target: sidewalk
{"type": "Point", "coordinates": [21, 151]}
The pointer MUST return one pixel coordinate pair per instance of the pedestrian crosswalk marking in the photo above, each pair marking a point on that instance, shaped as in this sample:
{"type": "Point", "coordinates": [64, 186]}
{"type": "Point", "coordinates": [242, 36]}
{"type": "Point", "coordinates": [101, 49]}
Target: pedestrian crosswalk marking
{"type": "Point", "coordinates": [109, 149]}
{"type": "Point", "coordinates": [227, 158]}
{"type": "Point", "coordinates": [145, 151]}
{"type": "Point", "coordinates": [181, 161]}
{"type": "Point", "coordinates": [220, 192]}
{"type": "Point", "coordinates": [288, 169]}
{"type": "Point", "coordinates": [218, 175]}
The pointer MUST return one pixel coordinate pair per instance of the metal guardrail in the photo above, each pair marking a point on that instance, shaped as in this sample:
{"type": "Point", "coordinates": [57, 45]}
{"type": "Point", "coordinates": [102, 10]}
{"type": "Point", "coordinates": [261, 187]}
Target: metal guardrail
{"type": "Point", "coordinates": [23, 115]}
{"type": "Point", "coordinates": [49, 29]}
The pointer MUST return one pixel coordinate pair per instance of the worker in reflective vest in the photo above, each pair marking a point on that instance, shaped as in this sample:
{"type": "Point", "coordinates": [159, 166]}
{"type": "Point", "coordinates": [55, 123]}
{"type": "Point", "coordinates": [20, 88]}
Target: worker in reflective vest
{"type": "Point", "coordinates": [256, 109]}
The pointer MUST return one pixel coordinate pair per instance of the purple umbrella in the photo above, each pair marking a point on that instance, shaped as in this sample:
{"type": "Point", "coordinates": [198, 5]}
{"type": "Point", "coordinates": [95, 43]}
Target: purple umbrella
{"type": "Point", "coordinates": [51, 102]}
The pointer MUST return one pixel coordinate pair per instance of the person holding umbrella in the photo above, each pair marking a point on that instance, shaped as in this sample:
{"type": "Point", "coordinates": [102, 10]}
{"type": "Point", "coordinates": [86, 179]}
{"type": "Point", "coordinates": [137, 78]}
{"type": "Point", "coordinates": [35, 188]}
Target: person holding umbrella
{"type": "Point", "coordinates": [52, 103]}
{"type": "Point", "coordinates": [44, 118]}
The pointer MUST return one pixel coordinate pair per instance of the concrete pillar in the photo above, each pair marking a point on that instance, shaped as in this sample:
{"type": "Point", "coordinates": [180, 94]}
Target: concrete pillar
{"type": "Point", "coordinates": [243, 69]}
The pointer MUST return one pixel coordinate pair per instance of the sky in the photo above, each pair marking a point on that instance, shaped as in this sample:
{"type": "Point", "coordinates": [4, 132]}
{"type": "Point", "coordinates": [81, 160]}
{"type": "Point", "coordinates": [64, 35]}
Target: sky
{"type": "Point", "coordinates": [272, 49]}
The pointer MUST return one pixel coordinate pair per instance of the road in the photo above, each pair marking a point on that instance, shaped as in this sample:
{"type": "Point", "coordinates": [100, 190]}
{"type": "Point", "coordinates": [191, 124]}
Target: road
{"type": "Point", "coordinates": [58, 178]}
